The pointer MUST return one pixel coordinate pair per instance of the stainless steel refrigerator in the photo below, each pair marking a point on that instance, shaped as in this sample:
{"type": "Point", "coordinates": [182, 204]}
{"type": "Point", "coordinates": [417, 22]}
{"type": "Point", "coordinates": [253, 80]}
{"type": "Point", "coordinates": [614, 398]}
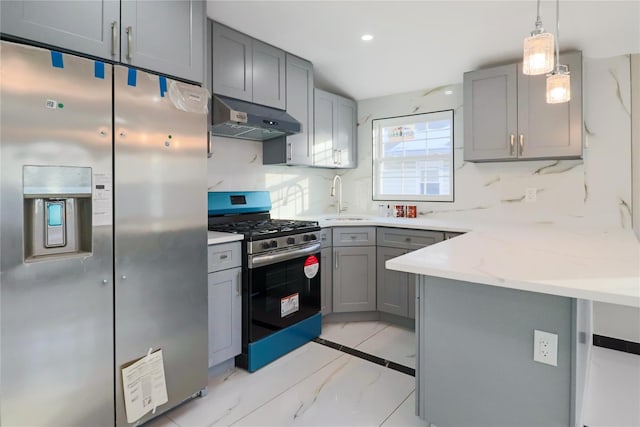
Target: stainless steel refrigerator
{"type": "Point", "coordinates": [103, 235]}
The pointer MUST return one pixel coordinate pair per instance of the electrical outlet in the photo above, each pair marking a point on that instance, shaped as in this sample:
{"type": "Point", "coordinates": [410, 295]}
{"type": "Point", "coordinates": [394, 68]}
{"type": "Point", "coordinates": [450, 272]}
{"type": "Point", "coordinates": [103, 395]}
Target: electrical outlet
{"type": "Point", "coordinates": [545, 347]}
{"type": "Point", "coordinates": [530, 195]}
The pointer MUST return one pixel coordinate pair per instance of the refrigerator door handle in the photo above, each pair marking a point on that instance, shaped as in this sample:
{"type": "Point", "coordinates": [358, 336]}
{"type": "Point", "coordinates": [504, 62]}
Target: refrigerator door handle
{"type": "Point", "coordinates": [114, 38]}
{"type": "Point", "coordinates": [129, 43]}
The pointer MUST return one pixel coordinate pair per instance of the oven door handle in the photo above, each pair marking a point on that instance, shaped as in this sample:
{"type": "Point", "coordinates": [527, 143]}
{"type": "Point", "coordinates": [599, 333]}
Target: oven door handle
{"type": "Point", "coordinates": [256, 261]}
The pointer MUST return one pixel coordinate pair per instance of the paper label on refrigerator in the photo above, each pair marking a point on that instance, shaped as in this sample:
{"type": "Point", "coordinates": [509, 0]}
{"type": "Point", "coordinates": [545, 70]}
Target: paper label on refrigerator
{"type": "Point", "coordinates": [289, 304]}
{"type": "Point", "coordinates": [102, 199]}
{"type": "Point", "coordinates": [144, 386]}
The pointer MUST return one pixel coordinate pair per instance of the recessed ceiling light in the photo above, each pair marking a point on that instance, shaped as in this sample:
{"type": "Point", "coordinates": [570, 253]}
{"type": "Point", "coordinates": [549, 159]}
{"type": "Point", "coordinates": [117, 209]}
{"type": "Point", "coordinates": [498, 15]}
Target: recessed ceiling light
{"type": "Point", "coordinates": [448, 92]}
{"type": "Point", "coordinates": [367, 37]}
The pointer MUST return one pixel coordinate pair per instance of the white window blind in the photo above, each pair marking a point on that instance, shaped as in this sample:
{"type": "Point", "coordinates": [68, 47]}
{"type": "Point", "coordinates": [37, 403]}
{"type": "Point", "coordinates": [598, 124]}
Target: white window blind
{"type": "Point", "coordinates": [413, 157]}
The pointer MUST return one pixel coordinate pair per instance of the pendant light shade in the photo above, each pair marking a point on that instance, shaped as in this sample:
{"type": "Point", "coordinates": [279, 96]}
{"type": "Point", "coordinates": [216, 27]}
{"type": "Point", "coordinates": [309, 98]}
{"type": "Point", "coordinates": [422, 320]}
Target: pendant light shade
{"type": "Point", "coordinates": [538, 54]}
{"type": "Point", "coordinates": [538, 50]}
{"type": "Point", "coordinates": [559, 86]}
{"type": "Point", "coordinates": [559, 81]}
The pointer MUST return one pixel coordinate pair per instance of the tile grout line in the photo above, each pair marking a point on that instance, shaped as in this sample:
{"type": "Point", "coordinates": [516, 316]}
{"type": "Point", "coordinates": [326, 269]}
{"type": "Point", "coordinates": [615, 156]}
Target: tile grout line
{"type": "Point", "coordinates": [368, 357]}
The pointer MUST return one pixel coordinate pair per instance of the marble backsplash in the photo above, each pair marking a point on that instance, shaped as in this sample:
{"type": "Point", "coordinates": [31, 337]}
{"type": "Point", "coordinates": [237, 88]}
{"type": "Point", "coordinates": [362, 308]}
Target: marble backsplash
{"type": "Point", "coordinates": [236, 165]}
{"type": "Point", "coordinates": [593, 191]}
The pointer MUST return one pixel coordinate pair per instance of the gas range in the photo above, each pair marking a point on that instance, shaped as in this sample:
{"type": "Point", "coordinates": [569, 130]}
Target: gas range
{"type": "Point", "coordinates": [281, 275]}
{"type": "Point", "coordinates": [265, 234]}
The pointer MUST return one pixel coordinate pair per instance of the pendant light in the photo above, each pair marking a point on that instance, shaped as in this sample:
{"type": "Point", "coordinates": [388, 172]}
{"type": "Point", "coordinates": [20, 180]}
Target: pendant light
{"type": "Point", "coordinates": [538, 50]}
{"type": "Point", "coordinates": [559, 81]}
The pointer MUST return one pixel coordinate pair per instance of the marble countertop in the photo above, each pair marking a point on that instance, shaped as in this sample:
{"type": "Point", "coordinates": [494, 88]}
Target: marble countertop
{"type": "Point", "coordinates": [601, 266]}
{"type": "Point", "coordinates": [215, 237]}
{"type": "Point", "coordinates": [598, 265]}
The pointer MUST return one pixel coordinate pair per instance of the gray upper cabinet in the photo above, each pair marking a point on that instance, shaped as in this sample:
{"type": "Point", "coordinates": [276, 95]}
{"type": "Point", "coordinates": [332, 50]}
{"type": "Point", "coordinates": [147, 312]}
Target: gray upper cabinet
{"type": "Point", "coordinates": [507, 117]}
{"type": "Point", "coordinates": [268, 75]}
{"type": "Point", "coordinates": [232, 63]}
{"type": "Point", "coordinates": [84, 26]}
{"type": "Point", "coordinates": [166, 37]}
{"type": "Point", "coordinates": [335, 139]}
{"type": "Point", "coordinates": [247, 69]}
{"type": "Point", "coordinates": [300, 107]}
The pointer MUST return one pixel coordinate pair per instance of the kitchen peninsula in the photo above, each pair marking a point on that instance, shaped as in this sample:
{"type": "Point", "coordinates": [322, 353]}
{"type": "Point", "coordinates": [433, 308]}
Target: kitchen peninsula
{"type": "Point", "coordinates": [540, 277]}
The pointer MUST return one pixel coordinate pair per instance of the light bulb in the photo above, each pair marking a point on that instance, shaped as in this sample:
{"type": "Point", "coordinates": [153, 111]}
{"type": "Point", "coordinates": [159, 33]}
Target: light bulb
{"type": "Point", "coordinates": [558, 87]}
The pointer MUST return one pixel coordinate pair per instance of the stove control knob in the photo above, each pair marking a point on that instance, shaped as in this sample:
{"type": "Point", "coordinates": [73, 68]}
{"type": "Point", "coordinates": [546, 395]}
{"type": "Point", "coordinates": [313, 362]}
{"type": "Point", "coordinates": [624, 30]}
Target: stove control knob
{"type": "Point", "coordinates": [307, 237]}
{"type": "Point", "coordinates": [290, 240]}
{"type": "Point", "coordinates": [314, 237]}
{"type": "Point", "coordinates": [274, 244]}
{"type": "Point", "coordinates": [266, 245]}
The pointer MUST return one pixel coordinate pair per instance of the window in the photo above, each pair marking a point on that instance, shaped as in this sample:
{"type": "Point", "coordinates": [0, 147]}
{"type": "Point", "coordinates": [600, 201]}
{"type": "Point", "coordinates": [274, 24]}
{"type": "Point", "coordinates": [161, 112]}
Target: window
{"type": "Point", "coordinates": [413, 157]}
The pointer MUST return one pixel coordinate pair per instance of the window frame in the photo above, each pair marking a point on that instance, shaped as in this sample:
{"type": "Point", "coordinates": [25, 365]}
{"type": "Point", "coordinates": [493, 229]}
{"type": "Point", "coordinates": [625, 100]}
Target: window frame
{"type": "Point", "coordinates": [375, 159]}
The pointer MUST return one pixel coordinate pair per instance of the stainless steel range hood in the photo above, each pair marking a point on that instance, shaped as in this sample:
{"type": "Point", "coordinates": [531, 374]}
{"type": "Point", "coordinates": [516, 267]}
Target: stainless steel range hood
{"type": "Point", "coordinates": [240, 119]}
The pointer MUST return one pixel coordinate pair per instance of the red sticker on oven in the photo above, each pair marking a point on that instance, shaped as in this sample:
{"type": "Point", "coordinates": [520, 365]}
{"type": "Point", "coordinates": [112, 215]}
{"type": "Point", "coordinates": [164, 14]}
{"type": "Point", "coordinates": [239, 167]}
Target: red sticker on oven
{"type": "Point", "coordinates": [311, 266]}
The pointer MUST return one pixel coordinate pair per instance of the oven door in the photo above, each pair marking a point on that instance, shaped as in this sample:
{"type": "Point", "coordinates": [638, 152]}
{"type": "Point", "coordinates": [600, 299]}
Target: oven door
{"type": "Point", "coordinates": [284, 288]}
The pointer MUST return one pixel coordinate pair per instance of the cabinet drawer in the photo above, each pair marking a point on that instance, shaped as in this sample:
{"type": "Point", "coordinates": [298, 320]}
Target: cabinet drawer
{"type": "Point", "coordinates": [223, 256]}
{"type": "Point", "coordinates": [354, 236]}
{"type": "Point", "coordinates": [326, 238]}
{"type": "Point", "coordinates": [408, 239]}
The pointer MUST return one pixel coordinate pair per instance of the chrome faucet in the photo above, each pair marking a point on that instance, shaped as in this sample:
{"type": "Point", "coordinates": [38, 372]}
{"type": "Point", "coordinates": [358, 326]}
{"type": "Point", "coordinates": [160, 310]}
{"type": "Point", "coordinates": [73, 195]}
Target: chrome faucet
{"type": "Point", "coordinates": [338, 179]}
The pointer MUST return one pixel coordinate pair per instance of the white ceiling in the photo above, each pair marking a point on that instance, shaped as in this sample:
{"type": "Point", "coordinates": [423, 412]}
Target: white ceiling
{"type": "Point", "coordinates": [422, 44]}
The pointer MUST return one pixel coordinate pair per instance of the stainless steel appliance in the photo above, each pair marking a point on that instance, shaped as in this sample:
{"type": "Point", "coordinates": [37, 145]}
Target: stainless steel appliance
{"type": "Point", "coordinates": [103, 235]}
{"type": "Point", "coordinates": [234, 118]}
{"type": "Point", "coordinates": [281, 275]}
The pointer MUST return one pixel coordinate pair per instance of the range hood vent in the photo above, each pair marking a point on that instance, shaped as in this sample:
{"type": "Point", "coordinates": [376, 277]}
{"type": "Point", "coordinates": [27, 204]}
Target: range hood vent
{"type": "Point", "coordinates": [240, 119]}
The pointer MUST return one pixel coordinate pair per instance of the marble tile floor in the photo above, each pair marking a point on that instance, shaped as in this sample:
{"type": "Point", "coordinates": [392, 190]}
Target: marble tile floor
{"type": "Point", "coordinates": [313, 385]}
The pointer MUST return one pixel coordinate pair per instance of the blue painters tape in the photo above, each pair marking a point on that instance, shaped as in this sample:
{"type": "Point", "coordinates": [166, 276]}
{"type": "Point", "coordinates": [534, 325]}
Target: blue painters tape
{"type": "Point", "coordinates": [163, 85]}
{"type": "Point", "coordinates": [98, 69]}
{"type": "Point", "coordinates": [131, 78]}
{"type": "Point", "coordinates": [56, 59]}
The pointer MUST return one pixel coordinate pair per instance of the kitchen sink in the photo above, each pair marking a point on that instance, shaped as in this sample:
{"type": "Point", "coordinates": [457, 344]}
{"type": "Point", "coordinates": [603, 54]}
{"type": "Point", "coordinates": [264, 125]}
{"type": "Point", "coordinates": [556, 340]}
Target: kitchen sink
{"type": "Point", "coordinates": [345, 218]}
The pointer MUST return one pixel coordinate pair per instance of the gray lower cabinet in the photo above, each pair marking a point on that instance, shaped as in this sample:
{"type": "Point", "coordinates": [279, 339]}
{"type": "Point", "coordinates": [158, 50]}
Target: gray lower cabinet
{"type": "Point", "coordinates": [335, 139]}
{"type": "Point", "coordinates": [225, 302]}
{"type": "Point", "coordinates": [326, 271]}
{"type": "Point", "coordinates": [247, 69]}
{"type": "Point", "coordinates": [326, 280]}
{"type": "Point", "coordinates": [393, 286]}
{"type": "Point", "coordinates": [396, 289]}
{"type": "Point", "coordinates": [504, 109]}
{"type": "Point", "coordinates": [354, 269]}
{"type": "Point", "coordinates": [354, 279]}
{"type": "Point", "coordinates": [132, 32]}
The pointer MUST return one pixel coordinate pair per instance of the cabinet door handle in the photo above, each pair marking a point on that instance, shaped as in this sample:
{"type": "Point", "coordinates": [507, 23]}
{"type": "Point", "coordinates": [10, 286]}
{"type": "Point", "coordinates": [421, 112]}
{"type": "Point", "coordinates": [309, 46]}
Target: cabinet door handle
{"type": "Point", "coordinates": [129, 42]}
{"type": "Point", "coordinates": [238, 283]}
{"type": "Point", "coordinates": [335, 259]}
{"type": "Point", "coordinates": [408, 239]}
{"type": "Point", "coordinates": [114, 37]}
{"type": "Point", "coordinates": [335, 157]}
{"type": "Point", "coordinates": [223, 256]}
{"type": "Point", "coordinates": [521, 144]}
{"type": "Point", "coordinates": [289, 151]}
{"type": "Point", "coordinates": [512, 144]}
